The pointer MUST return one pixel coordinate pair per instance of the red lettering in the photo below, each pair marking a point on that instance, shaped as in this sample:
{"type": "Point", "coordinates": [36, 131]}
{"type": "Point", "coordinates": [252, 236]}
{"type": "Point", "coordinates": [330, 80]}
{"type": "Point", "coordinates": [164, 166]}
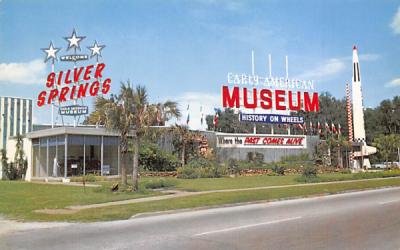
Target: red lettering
{"type": "Point", "coordinates": [99, 69]}
{"type": "Point", "coordinates": [246, 101]}
{"type": "Point", "coordinates": [59, 78]}
{"type": "Point", "coordinates": [106, 86]}
{"type": "Point", "coordinates": [53, 94]}
{"type": "Point", "coordinates": [265, 96]}
{"type": "Point", "coordinates": [88, 70]}
{"type": "Point", "coordinates": [41, 98]}
{"type": "Point", "coordinates": [77, 74]}
{"type": "Point", "coordinates": [82, 90]}
{"type": "Point", "coordinates": [50, 80]}
{"type": "Point", "coordinates": [280, 97]}
{"type": "Point", "coordinates": [67, 80]}
{"type": "Point", "coordinates": [291, 106]}
{"type": "Point", "coordinates": [230, 100]}
{"type": "Point", "coordinates": [72, 95]}
{"type": "Point", "coordinates": [94, 88]}
{"type": "Point", "coordinates": [63, 93]}
{"type": "Point", "coordinates": [251, 140]}
{"type": "Point", "coordinates": [311, 105]}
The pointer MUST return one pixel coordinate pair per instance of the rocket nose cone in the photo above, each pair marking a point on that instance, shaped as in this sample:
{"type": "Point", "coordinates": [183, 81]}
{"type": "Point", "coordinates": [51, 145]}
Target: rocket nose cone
{"type": "Point", "coordinates": [354, 47]}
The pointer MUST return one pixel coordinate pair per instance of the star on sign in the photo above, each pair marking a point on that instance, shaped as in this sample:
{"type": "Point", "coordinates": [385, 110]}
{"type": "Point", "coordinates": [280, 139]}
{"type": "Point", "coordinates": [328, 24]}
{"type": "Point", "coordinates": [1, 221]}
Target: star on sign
{"type": "Point", "coordinates": [96, 49]}
{"type": "Point", "coordinates": [74, 40]}
{"type": "Point", "coordinates": [51, 52]}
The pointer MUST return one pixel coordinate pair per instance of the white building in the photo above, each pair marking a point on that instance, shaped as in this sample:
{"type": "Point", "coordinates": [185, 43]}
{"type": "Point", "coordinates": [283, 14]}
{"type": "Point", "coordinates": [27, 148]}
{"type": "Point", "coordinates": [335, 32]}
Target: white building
{"type": "Point", "coordinates": [15, 119]}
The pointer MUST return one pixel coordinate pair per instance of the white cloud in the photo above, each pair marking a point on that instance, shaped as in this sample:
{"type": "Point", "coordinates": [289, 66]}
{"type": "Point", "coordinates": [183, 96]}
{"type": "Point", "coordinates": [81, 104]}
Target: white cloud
{"type": "Point", "coordinates": [334, 66]}
{"type": "Point", "coordinates": [395, 24]}
{"type": "Point", "coordinates": [196, 100]}
{"type": "Point", "coordinates": [393, 83]}
{"type": "Point", "coordinates": [326, 69]}
{"type": "Point", "coordinates": [32, 72]}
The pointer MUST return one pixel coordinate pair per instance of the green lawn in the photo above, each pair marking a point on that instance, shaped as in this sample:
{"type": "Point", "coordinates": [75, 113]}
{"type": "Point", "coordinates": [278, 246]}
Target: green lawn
{"type": "Point", "coordinates": [213, 199]}
{"type": "Point", "coordinates": [205, 184]}
{"type": "Point", "coordinates": [19, 199]}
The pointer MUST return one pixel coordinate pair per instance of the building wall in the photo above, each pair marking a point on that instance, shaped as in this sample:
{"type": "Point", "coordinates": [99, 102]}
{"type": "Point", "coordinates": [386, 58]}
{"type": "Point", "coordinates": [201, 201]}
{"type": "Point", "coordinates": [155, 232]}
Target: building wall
{"type": "Point", "coordinates": [270, 154]}
{"type": "Point", "coordinates": [15, 118]}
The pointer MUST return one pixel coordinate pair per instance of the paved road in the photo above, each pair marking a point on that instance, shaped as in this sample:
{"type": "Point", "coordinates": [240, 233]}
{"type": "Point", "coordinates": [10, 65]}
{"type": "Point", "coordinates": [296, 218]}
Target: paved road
{"type": "Point", "coordinates": [361, 220]}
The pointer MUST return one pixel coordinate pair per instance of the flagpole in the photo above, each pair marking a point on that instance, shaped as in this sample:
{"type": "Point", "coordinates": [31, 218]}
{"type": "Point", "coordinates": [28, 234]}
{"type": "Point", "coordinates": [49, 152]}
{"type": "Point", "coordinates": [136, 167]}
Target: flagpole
{"type": "Point", "coordinates": [52, 103]}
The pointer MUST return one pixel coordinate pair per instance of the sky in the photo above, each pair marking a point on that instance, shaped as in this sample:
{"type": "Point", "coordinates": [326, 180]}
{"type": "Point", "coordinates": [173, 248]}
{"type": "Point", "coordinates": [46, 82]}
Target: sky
{"type": "Point", "coordinates": [183, 50]}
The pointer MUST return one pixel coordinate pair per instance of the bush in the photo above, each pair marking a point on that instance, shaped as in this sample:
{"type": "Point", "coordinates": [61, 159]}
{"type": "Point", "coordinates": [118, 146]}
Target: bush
{"type": "Point", "coordinates": [152, 158]}
{"type": "Point", "coordinates": [233, 166]}
{"type": "Point", "coordinates": [255, 157]}
{"type": "Point", "coordinates": [160, 183]}
{"type": "Point", "coordinates": [201, 168]}
{"type": "Point", "coordinates": [279, 170]}
{"type": "Point", "coordinates": [310, 172]}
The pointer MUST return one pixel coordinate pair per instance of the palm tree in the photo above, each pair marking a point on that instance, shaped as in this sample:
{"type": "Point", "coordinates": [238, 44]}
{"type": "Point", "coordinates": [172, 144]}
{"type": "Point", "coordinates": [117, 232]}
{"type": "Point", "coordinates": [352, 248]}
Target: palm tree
{"type": "Point", "coordinates": [130, 113]}
{"type": "Point", "coordinates": [143, 116]}
{"type": "Point", "coordinates": [185, 136]}
{"type": "Point", "coordinates": [116, 114]}
{"type": "Point", "coordinates": [165, 111]}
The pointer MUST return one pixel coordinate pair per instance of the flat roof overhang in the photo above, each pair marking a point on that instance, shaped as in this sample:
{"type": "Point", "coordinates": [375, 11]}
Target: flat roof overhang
{"type": "Point", "coordinates": [72, 131]}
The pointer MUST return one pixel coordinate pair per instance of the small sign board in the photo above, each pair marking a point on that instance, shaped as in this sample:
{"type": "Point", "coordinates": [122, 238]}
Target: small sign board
{"type": "Point", "coordinates": [74, 166]}
{"type": "Point", "coordinates": [106, 169]}
{"type": "Point", "coordinates": [271, 118]}
{"type": "Point", "coordinates": [74, 58]}
{"type": "Point", "coordinates": [74, 110]}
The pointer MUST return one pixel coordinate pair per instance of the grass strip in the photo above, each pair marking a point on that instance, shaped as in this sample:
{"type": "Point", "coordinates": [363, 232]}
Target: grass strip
{"type": "Point", "coordinates": [212, 199]}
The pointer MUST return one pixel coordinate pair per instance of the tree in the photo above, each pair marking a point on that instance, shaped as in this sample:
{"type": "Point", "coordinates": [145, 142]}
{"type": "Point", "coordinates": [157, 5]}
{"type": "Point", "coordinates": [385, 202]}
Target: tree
{"type": "Point", "coordinates": [19, 157]}
{"type": "Point", "coordinates": [142, 116]}
{"type": "Point", "coordinates": [185, 138]}
{"type": "Point", "coordinates": [4, 159]}
{"type": "Point", "coordinates": [387, 146]}
{"type": "Point", "coordinates": [17, 169]}
{"type": "Point", "coordinates": [115, 113]}
{"type": "Point", "coordinates": [164, 112]}
{"type": "Point", "coordinates": [131, 114]}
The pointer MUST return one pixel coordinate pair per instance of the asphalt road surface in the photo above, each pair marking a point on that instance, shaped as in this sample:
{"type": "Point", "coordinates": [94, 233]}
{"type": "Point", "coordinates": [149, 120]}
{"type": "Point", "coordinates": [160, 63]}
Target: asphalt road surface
{"type": "Point", "coordinates": [361, 220]}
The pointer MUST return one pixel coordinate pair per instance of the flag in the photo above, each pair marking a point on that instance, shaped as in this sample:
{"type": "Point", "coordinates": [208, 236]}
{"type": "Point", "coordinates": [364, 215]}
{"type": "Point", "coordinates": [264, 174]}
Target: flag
{"type": "Point", "coordinates": [188, 115]}
{"type": "Point", "coordinates": [300, 126]}
{"type": "Point", "coordinates": [334, 128]}
{"type": "Point", "coordinates": [215, 120]}
{"type": "Point", "coordinates": [319, 128]}
{"type": "Point", "coordinates": [327, 127]}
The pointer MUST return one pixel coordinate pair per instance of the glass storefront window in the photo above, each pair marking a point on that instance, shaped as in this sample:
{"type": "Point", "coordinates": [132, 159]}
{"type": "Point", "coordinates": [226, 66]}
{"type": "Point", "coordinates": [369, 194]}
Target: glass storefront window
{"type": "Point", "coordinates": [84, 156]}
{"type": "Point", "coordinates": [75, 155]}
{"type": "Point", "coordinates": [93, 155]}
{"type": "Point", "coordinates": [42, 166]}
{"type": "Point", "coordinates": [110, 155]}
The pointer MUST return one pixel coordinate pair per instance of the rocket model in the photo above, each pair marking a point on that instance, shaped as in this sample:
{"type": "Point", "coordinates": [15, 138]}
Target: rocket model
{"type": "Point", "coordinates": [360, 148]}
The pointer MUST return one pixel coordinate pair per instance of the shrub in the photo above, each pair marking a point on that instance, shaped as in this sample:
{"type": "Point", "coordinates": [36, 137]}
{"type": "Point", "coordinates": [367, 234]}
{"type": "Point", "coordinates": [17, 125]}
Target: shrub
{"type": "Point", "coordinates": [310, 172]}
{"type": "Point", "coordinates": [233, 166]}
{"type": "Point", "coordinates": [152, 158]}
{"type": "Point", "coordinates": [186, 173]}
{"type": "Point", "coordinates": [201, 168]}
{"type": "Point", "coordinates": [200, 162]}
{"type": "Point", "coordinates": [160, 183]}
{"type": "Point", "coordinates": [255, 157]}
{"type": "Point", "coordinates": [279, 170]}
